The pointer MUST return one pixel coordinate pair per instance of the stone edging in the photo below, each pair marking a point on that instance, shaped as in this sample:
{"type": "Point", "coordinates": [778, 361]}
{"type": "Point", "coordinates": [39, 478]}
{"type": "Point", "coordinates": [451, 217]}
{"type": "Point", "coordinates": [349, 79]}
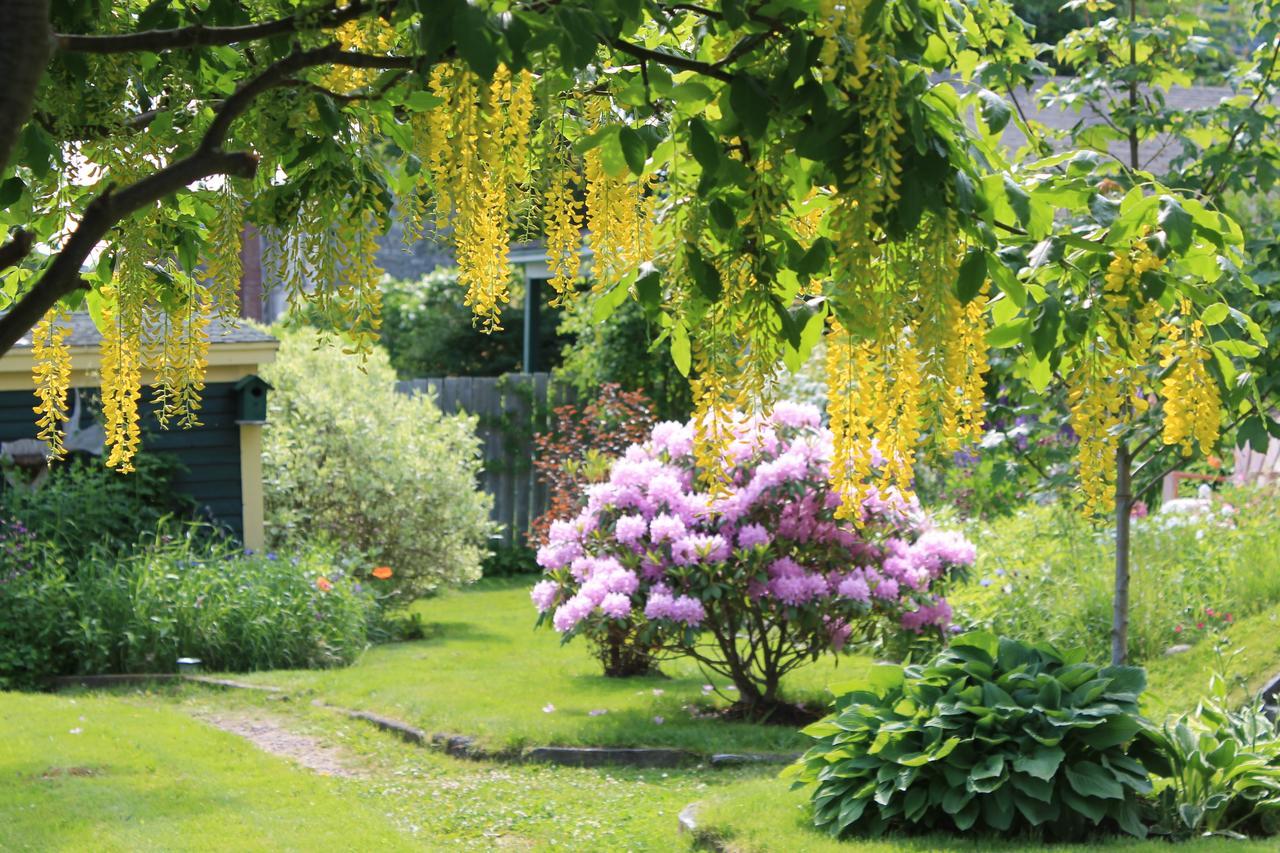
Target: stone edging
{"type": "Point", "coordinates": [462, 746]}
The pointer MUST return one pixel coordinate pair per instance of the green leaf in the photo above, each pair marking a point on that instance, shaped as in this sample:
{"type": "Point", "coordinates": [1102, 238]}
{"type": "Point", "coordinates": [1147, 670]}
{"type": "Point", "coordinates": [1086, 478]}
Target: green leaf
{"type": "Point", "coordinates": [1093, 780]}
{"type": "Point", "coordinates": [749, 102]}
{"type": "Point", "coordinates": [681, 352]}
{"type": "Point", "coordinates": [1177, 224]}
{"type": "Point", "coordinates": [705, 276]}
{"type": "Point", "coordinates": [1042, 763]}
{"type": "Point", "coordinates": [1215, 313]}
{"type": "Point", "coordinates": [634, 150]}
{"type": "Point", "coordinates": [475, 40]}
{"type": "Point", "coordinates": [649, 290]}
{"type": "Point", "coordinates": [10, 191]}
{"type": "Point", "coordinates": [973, 272]}
{"type": "Point", "coordinates": [994, 110]}
{"type": "Point", "coordinates": [704, 147]}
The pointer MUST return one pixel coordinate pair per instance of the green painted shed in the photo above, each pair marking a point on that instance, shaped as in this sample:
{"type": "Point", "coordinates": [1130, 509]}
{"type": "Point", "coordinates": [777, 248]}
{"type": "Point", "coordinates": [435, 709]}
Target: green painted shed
{"type": "Point", "coordinates": [223, 456]}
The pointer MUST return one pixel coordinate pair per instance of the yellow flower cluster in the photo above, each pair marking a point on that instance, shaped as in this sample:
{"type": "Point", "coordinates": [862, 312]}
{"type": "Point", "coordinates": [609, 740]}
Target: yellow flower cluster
{"type": "Point", "coordinates": [1097, 389]}
{"type": "Point", "coordinates": [52, 375]}
{"type": "Point", "coordinates": [840, 26]}
{"type": "Point", "coordinates": [121, 369]}
{"type": "Point", "coordinates": [1192, 403]}
{"type": "Point", "coordinates": [183, 357]}
{"type": "Point", "coordinates": [367, 34]}
{"type": "Point", "coordinates": [617, 213]}
{"type": "Point", "coordinates": [1105, 385]}
{"type": "Point", "coordinates": [563, 218]}
{"type": "Point", "coordinates": [476, 145]}
{"type": "Point", "coordinates": [851, 428]}
{"type": "Point", "coordinates": [917, 360]}
{"type": "Point", "coordinates": [222, 263]}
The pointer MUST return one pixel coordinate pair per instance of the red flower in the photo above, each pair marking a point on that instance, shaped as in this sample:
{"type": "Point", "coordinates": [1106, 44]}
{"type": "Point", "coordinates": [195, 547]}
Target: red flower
{"type": "Point", "coordinates": [1177, 630]}
{"type": "Point", "coordinates": [1208, 611]}
{"type": "Point", "coordinates": [1227, 617]}
{"type": "Point", "coordinates": [1200, 625]}
{"type": "Point", "coordinates": [323, 584]}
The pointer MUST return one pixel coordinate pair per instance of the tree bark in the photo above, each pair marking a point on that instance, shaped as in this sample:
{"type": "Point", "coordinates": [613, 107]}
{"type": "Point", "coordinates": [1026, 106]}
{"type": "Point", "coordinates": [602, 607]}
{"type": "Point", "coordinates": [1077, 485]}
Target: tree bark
{"type": "Point", "coordinates": [1120, 603]}
{"type": "Point", "coordinates": [26, 41]}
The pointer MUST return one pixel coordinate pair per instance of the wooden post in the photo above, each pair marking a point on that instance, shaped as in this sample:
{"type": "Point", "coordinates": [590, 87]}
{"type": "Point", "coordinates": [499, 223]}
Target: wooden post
{"type": "Point", "coordinates": [252, 512]}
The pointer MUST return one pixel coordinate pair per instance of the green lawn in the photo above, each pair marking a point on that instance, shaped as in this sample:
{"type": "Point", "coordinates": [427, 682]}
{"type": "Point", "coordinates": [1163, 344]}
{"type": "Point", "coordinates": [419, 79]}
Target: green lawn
{"type": "Point", "coordinates": [99, 773]}
{"type": "Point", "coordinates": [484, 671]}
{"type": "Point", "coordinates": [137, 770]}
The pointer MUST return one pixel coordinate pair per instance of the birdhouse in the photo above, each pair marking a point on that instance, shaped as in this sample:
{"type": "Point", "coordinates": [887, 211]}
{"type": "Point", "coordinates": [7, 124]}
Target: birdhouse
{"type": "Point", "coordinates": [251, 400]}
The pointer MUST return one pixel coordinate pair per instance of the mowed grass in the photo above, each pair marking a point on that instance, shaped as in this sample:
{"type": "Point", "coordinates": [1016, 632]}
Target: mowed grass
{"type": "Point", "coordinates": [484, 671]}
{"type": "Point", "coordinates": [103, 774]}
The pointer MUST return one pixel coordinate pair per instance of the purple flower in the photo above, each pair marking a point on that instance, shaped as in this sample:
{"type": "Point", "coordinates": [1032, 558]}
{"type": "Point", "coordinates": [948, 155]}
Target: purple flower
{"type": "Point", "coordinates": [544, 595]}
{"type": "Point", "coordinates": [616, 605]}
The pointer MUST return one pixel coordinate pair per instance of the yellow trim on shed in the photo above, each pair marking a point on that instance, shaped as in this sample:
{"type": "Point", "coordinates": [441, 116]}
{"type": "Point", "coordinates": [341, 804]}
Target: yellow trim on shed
{"type": "Point", "coordinates": [228, 362]}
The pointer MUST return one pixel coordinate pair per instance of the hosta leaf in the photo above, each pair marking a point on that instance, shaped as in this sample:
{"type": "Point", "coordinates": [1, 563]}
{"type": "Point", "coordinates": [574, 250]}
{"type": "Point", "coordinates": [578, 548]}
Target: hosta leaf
{"type": "Point", "coordinates": [1042, 763]}
{"type": "Point", "coordinates": [1093, 780]}
{"type": "Point", "coordinates": [955, 800]}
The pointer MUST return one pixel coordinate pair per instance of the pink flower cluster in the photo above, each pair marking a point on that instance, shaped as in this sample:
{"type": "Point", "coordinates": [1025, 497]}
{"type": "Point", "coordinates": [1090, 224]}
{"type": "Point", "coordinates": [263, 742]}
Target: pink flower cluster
{"type": "Point", "coordinates": [650, 546]}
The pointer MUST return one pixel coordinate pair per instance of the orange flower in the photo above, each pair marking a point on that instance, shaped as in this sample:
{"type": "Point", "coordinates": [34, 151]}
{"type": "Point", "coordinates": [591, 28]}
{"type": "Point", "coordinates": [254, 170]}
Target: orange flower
{"type": "Point", "coordinates": [382, 572]}
{"type": "Point", "coordinates": [1214, 462]}
{"type": "Point", "coordinates": [323, 584]}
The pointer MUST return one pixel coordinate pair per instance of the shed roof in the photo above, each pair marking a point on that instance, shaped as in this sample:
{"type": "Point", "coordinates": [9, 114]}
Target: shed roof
{"type": "Point", "coordinates": [85, 334]}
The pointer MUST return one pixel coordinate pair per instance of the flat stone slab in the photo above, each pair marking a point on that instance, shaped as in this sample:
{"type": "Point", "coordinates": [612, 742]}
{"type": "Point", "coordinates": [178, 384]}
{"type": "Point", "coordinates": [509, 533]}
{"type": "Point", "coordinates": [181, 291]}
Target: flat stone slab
{"type": "Point", "coordinates": [230, 684]}
{"type": "Point", "coordinates": [404, 731]}
{"type": "Point", "coordinates": [570, 756]}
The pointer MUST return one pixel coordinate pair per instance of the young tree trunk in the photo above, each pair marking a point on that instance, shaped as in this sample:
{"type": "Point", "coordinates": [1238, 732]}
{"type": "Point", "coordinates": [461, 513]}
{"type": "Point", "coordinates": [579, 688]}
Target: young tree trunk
{"type": "Point", "coordinates": [1120, 604]}
{"type": "Point", "coordinates": [26, 41]}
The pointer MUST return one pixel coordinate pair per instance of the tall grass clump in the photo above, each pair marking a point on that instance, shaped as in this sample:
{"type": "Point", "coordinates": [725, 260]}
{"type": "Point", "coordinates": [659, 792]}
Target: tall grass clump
{"type": "Point", "coordinates": [1047, 573]}
{"type": "Point", "coordinates": [181, 592]}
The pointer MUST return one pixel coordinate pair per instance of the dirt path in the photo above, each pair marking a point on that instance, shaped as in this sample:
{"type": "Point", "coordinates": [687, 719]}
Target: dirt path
{"type": "Point", "coordinates": [270, 734]}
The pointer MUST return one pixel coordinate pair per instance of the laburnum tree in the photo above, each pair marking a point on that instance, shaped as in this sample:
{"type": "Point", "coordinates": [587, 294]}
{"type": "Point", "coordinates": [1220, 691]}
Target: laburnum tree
{"type": "Point", "coordinates": [756, 174]}
{"type": "Point", "coordinates": [1156, 376]}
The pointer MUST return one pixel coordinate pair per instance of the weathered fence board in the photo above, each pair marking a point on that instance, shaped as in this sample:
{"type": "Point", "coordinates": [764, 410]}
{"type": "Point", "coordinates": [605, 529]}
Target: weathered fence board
{"type": "Point", "coordinates": [510, 410]}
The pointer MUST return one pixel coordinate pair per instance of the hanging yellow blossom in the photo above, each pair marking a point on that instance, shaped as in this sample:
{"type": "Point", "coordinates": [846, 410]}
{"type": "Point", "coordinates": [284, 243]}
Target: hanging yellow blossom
{"type": "Point", "coordinates": [52, 375]}
{"type": "Point", "coordinates": [1190, 395]}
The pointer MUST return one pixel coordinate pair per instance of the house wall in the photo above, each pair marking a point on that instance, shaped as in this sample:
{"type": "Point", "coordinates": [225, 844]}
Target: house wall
{"type": "Point", "coordinates": [211, 452]}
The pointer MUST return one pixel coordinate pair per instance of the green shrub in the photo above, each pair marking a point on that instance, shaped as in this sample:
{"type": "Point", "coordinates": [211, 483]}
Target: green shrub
{"type": "Point", "coordinates": [1047, 572]}
{"type": "Point", "coordinates": [1221, 767]}
{"type": "Point", "coordinates": [428, 331]}
{"type": "Point", "coordinates": [511, 560]}
{"type": "Point", "coordinates": [183, 593]}
{"type": "Point", "coordinates": [83, 504]}
{"type": "Point", "coordinates": [348, 459]}
{"type": "Point", "coordinates": [991, 734]}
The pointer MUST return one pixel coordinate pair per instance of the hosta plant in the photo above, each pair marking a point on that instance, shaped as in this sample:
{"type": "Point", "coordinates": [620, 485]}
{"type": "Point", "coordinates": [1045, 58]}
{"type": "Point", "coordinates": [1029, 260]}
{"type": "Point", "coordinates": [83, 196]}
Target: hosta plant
{"type": "Point", "coordinates": [991, 735]}
{"type": "Point", "coordinates": [752, 578]}
{"type": "Point", "coordinates": [1222, 767]}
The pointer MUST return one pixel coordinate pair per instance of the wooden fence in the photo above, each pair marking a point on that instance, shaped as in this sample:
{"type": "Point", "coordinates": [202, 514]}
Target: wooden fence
{"type": "Point", "coordinates": [510, 410]}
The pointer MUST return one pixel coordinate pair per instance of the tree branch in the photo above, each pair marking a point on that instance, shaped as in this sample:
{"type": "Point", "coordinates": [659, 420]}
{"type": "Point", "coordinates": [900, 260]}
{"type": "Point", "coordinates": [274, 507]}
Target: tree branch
{"type": "Point", "coordinates": [1209, 186]}
{"type": "Point", "coordinates": [198, 35]}
{"type": "Point", "coordinates": [672, 60]}
{"type": "Point", "coordinates": [62, 276]}
{"type": "Point", "coordinates": [18, 247]}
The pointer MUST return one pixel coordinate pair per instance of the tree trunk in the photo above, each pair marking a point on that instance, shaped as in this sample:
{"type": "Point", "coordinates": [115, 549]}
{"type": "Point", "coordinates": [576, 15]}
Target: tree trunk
{"type": "Point", "coordinates": [1120, 604]}
{"type": "Point", "coordinates": [26, 42]}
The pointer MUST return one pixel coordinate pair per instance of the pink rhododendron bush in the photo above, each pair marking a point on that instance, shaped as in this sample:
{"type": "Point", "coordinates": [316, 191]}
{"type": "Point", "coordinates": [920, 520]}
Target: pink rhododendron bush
{"type": "Point", "coordinates": [753, 581]}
